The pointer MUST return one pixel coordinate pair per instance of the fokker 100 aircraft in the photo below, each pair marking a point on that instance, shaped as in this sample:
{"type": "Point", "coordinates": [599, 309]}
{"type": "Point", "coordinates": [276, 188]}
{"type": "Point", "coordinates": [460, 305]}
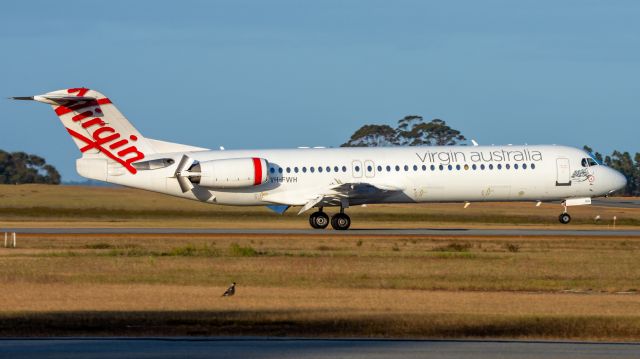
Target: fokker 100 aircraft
{"type": "Point", "coordinates": [114, 151]}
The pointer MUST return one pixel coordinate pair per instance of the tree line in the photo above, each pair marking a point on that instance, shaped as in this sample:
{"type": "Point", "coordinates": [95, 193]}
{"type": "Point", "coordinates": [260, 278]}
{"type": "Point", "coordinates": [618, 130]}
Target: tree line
{"type": "Point", "coordinates": [21, 167]}
{"type": "Point", "coordinates": [414, 131]}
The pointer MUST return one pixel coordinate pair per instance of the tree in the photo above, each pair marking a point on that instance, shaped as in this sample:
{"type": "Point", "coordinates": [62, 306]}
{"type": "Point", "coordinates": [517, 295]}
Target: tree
{"type": "Point", "coordinates": [372, 136]}
{"type": "Point", "coordinates": [629, 167]}
{"type": "Point", "coordinates": [21, 167]}
{"type": "Point", "coordinates": [411, 131]}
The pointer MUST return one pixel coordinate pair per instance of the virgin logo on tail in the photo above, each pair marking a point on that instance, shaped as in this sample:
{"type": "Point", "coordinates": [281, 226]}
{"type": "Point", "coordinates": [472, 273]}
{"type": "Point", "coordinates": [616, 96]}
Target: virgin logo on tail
{"type": "Point", "coordinates": [103, 138]}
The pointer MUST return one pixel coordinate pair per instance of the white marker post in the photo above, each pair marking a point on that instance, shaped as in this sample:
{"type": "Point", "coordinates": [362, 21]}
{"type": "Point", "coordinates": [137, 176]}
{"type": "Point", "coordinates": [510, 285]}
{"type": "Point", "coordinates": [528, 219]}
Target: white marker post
{"type": "Point", "coordinates": [6, 235]}
{"type": "Point", "coordinates": [14, 240]}
{"type": "Point", "coordinates": [614, 222]}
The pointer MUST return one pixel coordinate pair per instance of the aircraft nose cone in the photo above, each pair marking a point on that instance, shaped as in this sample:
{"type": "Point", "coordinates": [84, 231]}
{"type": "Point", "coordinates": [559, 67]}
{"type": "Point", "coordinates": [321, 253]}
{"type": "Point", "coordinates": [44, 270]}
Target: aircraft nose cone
{"type": "Point", "coordinates": [619, 181]}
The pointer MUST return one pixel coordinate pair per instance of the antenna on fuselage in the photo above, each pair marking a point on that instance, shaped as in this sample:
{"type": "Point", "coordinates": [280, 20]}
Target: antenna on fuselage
{"type": "Point", "coordinates": [475, 144]}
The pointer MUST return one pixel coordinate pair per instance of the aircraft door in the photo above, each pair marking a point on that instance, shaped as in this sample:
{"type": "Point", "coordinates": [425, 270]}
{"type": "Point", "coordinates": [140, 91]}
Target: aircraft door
{"type": "Point", "coordinates": [369, 169]}
{"type": "Point", "coordinates": [356, 167]}
{"type": "Point", "coordinates": [563, 168]}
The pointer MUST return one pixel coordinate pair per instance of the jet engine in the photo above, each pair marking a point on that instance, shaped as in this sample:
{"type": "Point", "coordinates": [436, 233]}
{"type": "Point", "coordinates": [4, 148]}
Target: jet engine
{"type": "Point", "coordinates": [222, 174]}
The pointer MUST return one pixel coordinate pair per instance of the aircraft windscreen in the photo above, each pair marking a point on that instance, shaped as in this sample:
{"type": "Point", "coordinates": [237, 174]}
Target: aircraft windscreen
{"type": "Point", "coordinates": [594, 160]}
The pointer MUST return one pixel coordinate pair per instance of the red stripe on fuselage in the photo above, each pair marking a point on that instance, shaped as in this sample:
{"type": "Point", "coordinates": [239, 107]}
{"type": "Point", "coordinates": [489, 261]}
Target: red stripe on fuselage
{"type": "Point", "coordinates": [257, 171]}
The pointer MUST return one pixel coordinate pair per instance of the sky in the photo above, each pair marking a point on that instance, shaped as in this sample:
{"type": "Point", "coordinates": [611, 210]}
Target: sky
{"type": "Point", "coordinates": [274, 74]}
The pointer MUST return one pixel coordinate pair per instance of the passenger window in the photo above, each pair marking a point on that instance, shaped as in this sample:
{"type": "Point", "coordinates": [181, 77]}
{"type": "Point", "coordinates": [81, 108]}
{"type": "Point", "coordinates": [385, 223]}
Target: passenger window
{"type": "Point", "coordinates": [458, 167]}
{"type": "Point", "coordinates": [320, 169]}
{"type": "Point", "coordinates": [357, 168]}
{"type": "Point", "coordinates": [397, 168]}
{"type": "Point", "coordinates": [344, 168]}
{"type": "Point", "coordinates": [515, 166]}
{"type": "Point", "coordinates": [279, 169]}
{"type": "Point", "coordinates": [490, 166]}
{"type": "Point", "coordinates": [433, 168]}
{"type": "Point", "coordinates": [335, 169]}
{"type": "Point", "coordinates": [524, 166]}
{"type": "Point", "coordinates": [272, 170]}
{"type": "Point", "coordinates": [415, 168]}
{"type": "Point", "coordinates": [295, 169]}
{"type": "Point", "coordinates": [499, 166]}
{"type": "Point", "coordinates": [424, 167]}
{"type": "Point", "coordinates": [507, 166]}
{"type": "Point", "coordinates": [379, 168]}
{"type": "Point", "coordinates": [369, 168]}
{"type": "Point", "coordinates": [450, 167]}
{"type": "Point", "coordinates": [441, 167]}
{"type": "Point", "coordinates": [388, 168]}
{"type": "Point", "coordinates": [533, 166]}
{"type": "Point", "coordinates": [474, 166]}
{"type": "Point", "coordinates": [466, 167]}
{"type": "Point", "coordinates": [304, 169]}
{"type": "Point", "coordinates": [482, 166]}
{"type": "Point", "coordinates": [312, 169]}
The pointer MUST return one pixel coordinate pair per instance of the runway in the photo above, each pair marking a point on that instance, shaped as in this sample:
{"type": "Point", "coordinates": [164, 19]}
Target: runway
{"type": "Point", "coordinates": [306, 348]}
{"type": "Point", "coordinates": [617, 202]}
{"type": "Point", "coordinates": [459, 232]}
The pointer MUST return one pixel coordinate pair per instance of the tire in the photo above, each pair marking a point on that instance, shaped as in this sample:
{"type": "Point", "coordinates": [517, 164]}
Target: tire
{"type": "Point", "coordinates": [340, 222]}
{"type": "Point", "coordinates": [312, 220]}
{"type": "Point", "coordinates": [319, 220]}
{"type": "Point", "coordinates": [564, 218]}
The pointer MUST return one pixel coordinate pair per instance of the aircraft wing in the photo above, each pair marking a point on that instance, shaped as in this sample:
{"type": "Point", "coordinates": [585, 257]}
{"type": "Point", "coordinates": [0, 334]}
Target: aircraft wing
{"type": "Point", "coordinates": [334, 195]}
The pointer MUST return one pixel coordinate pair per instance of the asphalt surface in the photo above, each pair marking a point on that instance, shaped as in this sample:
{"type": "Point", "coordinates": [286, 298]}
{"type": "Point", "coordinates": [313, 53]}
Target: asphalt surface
{"type": "Point", "coordinates": [460, 232]}
{"type": "Point", "coordinates": [618, 202]}
{"type": "Point", "coordinates": [306, 348]}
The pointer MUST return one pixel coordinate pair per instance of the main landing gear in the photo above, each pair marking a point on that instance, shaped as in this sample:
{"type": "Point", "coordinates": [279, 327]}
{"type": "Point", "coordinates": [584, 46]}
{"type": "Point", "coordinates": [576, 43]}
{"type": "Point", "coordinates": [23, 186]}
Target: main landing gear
{"type": "Point", "coordinates": [319, 220]}
{"type": "Point", "coordinates": [339, 221]}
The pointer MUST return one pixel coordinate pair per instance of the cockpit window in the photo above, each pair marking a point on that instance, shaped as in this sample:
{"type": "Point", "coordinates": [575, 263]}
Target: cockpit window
{"type": "Point", "coordinates": [598, 162]}
{"type": "Point", "coordinates": [588, 162]}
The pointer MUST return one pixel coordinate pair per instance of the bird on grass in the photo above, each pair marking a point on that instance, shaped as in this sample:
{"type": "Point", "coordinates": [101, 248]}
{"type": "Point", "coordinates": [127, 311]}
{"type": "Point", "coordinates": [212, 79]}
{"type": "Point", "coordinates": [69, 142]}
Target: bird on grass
{"type": "Point", "coordinates": [230, 291]}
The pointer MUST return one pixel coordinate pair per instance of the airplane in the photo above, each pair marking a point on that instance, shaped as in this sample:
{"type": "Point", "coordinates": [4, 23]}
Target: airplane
{"type": "Point", "coordinates": [114, 151]}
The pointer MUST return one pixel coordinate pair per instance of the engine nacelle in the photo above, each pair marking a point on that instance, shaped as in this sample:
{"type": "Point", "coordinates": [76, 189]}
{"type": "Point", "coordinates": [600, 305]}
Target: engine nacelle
{"type": "Point", "coordinates": [230, 173]}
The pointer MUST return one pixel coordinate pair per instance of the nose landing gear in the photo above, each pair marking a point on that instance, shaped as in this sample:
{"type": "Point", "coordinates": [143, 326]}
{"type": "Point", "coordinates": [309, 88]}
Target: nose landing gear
{"type": "Point", "coordinates": [564, 218]}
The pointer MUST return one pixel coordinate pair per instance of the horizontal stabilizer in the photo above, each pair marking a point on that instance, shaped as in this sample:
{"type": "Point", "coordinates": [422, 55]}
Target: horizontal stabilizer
{"type": "Point", "coordinates": [53, 99]}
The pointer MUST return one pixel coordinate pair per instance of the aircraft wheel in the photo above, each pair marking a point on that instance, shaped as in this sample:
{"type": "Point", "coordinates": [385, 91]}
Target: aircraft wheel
{"type": "Point", "coordinates": [319, 220]}
{"type": "Point", "coordinates": [564, 218]}
{"type": "Point", "coordinates": [340, 221]}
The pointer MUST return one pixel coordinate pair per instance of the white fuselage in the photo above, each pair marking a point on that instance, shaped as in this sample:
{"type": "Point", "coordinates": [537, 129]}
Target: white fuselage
{"type": "Point", "coordinates": [113, 150]}
{"type": "Point", "coordinates": [417, 174]}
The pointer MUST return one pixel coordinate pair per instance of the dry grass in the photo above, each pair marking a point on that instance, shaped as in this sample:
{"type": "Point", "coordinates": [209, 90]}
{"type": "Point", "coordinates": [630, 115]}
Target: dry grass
{"type": "Point", "coordinates": [320, 286]}
{"type": "Point", "coordinates": [55, 206]}
{"type": "Point", "coordinates": [198, 310]}
{"type": "Point", "coordinates": [325, 284]}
